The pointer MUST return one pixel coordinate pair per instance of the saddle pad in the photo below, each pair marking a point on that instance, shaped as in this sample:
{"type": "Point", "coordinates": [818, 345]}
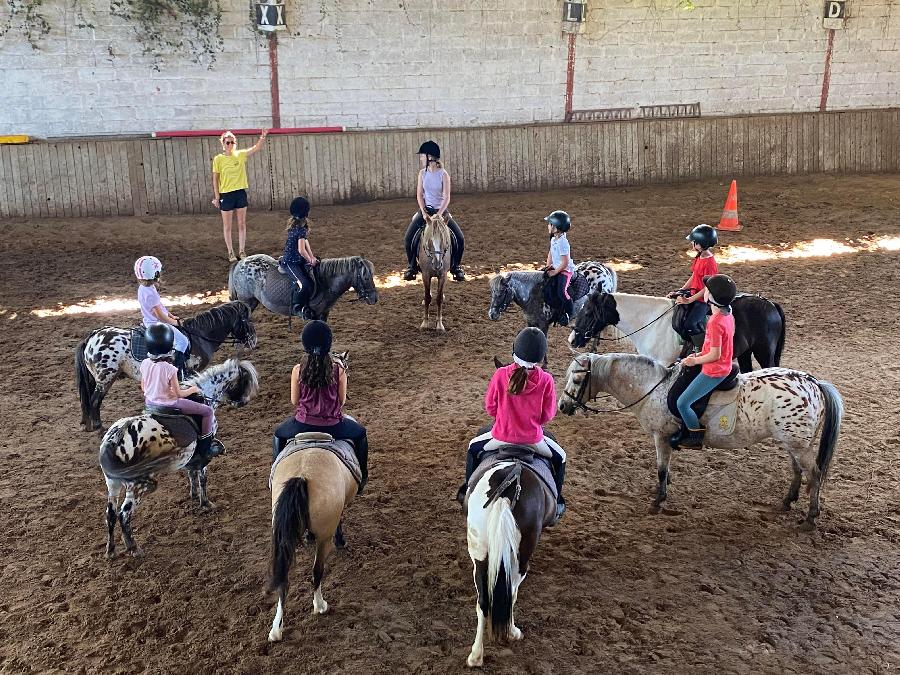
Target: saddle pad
{"type": "Point", "coordinates": [343, 450]}
{"type": "Point", "coordinates": [721, 415]}
{"type": "Point", "coordinates": [138, 343]}
{"type": "Point", "coordinates": [716, 396]}
{"type": "Point", "coordinates": [279, 287]}
{"type": "Point", "coordinates": [540, 466]}
{"type": "Point", "coordinates": [182, 428]}
{"type": "Point", "coordinates": [579, 287]}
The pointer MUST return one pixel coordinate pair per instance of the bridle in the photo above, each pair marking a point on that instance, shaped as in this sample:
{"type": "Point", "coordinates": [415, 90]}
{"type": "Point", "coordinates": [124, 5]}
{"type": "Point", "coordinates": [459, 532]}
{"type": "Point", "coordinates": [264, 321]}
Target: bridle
{"type": "Point", "coordinates": [363, 292]}
{"type": "Point", "coordinates": [579, 398]}
{"type": "Point", "coordinates": [594, 332]}
{"type": "Point", "coordinates": [508, 296]}
{"type": "Point", "coordinates": [240, 333]}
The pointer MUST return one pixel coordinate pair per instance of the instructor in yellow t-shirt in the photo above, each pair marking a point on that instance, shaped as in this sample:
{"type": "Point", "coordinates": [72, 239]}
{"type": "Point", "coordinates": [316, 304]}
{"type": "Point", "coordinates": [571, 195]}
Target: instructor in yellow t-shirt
{"type": "Point", "coordinates": [229, 169]}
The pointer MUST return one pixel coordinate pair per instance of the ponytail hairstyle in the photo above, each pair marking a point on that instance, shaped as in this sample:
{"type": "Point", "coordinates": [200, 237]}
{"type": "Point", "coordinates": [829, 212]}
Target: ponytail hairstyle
{"type": "Point", "coordinates": [517, 380]}
{"type": "Point", "coordinates": [433, 160]}
{"type": "Point", "coordinates": [318, 371]}
{"type": "Point", "coordinates": [296, 222]}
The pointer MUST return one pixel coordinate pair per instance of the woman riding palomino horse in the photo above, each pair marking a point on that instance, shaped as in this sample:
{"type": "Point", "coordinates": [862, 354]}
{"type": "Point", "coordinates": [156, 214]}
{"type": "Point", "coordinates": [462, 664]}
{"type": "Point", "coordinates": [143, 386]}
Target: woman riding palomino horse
{"type": "Point", "coordinates": [230, 185]}
{"type": "Point", "coordinates": [136, 450]}
{"type": "Point", "coordinates": [319, 392]}
{"type": "Point", "coordinates": [789, 406]}
{"type": "Point", "coordinates": [433, 196]}
{"type": "Point", "coordinates": [511, 500]}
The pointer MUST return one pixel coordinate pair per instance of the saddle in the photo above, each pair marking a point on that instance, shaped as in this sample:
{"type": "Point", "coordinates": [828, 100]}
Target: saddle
{"type": "Point", "coordinates": [579, 286]}
{"type": "Point", "coordinates": [342, 449]}
{"type": "Point", "coordinates": [139, 347]}
{"type": "Point", "coordinates": [495, 452]}
{"type": "Point", "coordinates": [185, 429]}
{"type": "Point", "coordinates": [726, 392]}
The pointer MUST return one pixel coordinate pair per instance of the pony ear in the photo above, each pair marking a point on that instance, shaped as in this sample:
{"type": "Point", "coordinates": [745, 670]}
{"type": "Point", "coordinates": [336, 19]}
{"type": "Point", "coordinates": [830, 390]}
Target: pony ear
{"type": "Point", "coordinates": [499, 364]}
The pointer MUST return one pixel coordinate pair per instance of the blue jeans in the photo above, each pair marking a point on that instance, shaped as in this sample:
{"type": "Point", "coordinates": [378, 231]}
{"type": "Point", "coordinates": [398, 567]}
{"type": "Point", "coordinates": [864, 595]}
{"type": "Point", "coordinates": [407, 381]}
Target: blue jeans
{"type": "Point", "coordinates": [700, 387]}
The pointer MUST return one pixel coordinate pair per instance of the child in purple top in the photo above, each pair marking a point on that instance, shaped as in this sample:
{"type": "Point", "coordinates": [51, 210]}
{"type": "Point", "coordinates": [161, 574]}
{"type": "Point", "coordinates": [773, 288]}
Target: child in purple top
{"type": "Point", "coordinates": [318, 392]}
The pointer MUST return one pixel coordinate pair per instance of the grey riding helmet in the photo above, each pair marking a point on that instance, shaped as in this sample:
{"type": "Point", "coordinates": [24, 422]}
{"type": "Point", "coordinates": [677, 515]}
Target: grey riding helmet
{"type": "Point", "coordinates": [722, 289]}
{"type": "Point", "coordinates": [705, 236]}
{"type": "Point", "coordinates": [160, 340]}
{"type": "Point", "coordinates": [560, 220]}
{"type": "Point", "coordinates": [530, 345]}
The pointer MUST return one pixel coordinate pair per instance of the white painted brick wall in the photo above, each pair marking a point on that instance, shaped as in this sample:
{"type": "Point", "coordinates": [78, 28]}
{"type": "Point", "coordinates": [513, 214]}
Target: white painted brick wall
{"type": "Point", "coordinates": [450, 63]}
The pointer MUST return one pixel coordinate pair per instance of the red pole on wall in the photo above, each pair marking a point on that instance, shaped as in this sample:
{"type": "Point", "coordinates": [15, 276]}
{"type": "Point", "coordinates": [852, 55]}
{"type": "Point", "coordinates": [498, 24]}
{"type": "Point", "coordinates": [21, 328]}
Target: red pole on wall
{"type": "Point", "coordinates": [570, 76]}
{"type": "Point", "coordinates": [273, 80]}
{"type": "Point", "coordinates": [826, 78]}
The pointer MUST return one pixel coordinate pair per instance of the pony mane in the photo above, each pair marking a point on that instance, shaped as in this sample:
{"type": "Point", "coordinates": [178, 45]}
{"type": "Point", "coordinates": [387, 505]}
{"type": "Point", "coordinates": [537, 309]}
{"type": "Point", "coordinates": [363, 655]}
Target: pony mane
{"type": "Point", "coordinates": [247, 377]}
{"type": "Point", "coordinates": [438, 224]}
{"type": "Point", "coordinates": [333, 267]}
{"type": "Point", "coordinates": [216, 317]}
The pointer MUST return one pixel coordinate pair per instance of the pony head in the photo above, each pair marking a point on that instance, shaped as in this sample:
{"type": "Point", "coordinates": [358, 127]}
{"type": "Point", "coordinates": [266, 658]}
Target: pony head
{"type": "Point", "coordinates": [244, 330]}
{"type": "Point", "coordinates": [578, 388]}
{"type": "Point", "coordinates": [501, 296]}
{"type": "Point", "coordinates": [598, 312]}
{"type": "Point", "coordinates": [364, 281]}
{"type": "Point", "coordinates": [233, 383]}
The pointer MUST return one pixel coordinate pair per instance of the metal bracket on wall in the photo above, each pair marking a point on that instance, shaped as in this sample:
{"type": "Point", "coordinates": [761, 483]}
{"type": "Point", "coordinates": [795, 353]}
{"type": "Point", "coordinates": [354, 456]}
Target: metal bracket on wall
{"type": "Point", "coordinates": [670, 110]}
{"type": "Point", "coordinates": [601, 115]}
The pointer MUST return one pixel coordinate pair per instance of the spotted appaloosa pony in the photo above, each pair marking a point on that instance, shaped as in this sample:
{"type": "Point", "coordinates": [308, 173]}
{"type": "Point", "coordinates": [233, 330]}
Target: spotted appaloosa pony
{"type": "Point", "coordinates": [759, 326]}
{"type": "Point", "coordinates": [256, 280]}
{"type": "Point", "coordinates": [507, 509]}
{"type": "Point", "coordinates": [310, 490]}
{"type": "Point", "coordinates": [433, 257]}
{"type": "Point", "coordinates": [525, 289]}
{"type": "Point", "coordinates": [136, 450]}
{"type": "Point", "coordinates": [789, 406]}
{"type": "Point", "coordinates": [105, 355]}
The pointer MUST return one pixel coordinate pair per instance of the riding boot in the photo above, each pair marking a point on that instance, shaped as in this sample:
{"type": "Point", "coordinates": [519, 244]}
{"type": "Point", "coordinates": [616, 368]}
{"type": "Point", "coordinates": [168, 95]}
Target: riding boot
{"type": "Point", "coordinates": [694, 438]}
{"type": "Point", "coordinates": [180, 362]}
{"type": "Point", "coordinates": [470, 469]}
{"type": "Point", "coordinates": [457, 273]}
{"type": "Point", "coordinates": [697, 341]}
{"type": "Point", "coordinates": [559, 475]}
{"type": "Point", "coordinates": [208, 447]}
{"type": "Point", "coordinates": [298, 301]}
{"type": "Point", "coordinates": [411, 271]}
{"type": "Point", "coordinates": [676, 439]}
{"type": "Point", "coordinates": [277, 446]}
{"type": "Point", "coordinates": [361, 450]}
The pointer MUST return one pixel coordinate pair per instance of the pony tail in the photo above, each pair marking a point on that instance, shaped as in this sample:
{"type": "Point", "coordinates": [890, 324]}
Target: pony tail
{"type": "Point", "coordinates": [517, 380]}
{"type": "Point", "coordinates": [318, 371]}
{"type": "Point", "coordinates": [296, 222]}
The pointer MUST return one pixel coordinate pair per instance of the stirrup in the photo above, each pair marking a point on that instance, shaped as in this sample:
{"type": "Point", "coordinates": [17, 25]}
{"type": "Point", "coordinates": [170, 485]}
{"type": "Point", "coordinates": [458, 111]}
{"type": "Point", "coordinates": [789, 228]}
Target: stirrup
{"type": "Point", "coordinates": [458, 274]}
{"type": "Point", "coordinates": [409, 274]}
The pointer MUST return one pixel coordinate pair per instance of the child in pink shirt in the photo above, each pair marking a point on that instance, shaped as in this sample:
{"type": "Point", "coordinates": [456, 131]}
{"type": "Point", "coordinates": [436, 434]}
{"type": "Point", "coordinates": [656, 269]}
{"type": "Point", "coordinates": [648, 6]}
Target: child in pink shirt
{"type": "Point", "coordinates": [159, 382]}
{"type": "Point", "coordinates": [521, 398]}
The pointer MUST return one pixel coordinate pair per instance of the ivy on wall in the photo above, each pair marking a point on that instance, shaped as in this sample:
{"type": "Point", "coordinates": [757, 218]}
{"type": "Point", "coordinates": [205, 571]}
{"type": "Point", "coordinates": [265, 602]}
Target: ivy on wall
{"type": "Point", "coordinates": [162, 27]}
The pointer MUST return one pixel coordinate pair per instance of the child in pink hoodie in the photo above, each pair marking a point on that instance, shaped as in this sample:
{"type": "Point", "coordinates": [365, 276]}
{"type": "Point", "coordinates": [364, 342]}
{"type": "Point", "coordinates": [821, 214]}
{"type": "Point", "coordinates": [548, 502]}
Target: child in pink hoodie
{"type": "Point", "coordinates": [522, 399]}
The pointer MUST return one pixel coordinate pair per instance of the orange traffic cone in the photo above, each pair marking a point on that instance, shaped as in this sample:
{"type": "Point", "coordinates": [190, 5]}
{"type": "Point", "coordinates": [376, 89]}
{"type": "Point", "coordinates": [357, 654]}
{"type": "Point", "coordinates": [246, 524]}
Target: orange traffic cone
{"type": "Point", "coordinates": [729, 221]}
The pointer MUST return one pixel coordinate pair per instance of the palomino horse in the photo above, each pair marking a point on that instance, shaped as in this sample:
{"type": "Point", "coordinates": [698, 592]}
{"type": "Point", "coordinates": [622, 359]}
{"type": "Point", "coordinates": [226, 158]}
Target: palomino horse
{"type": "Point", "coordinates": [135, 450]}
{"type": "Point", "coordinates": [435, 248]}
{"type": "Point", "coordinates": [789, 406]}
{"type": "Point", "coordinates": [759, 326]}
{"type": "Point", "coordinates": [507, 509]}
{"type": "Point", "coordinates": [256, 279]}
{"type": "Point", "coordinates": [311, 487]}
{"type": "Point", "coordinates": [105, 355]}
{"type": "Point", "coordinates": [525, 289]}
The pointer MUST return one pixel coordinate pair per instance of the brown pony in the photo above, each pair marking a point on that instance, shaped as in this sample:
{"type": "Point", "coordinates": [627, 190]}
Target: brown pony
{"type": "Point", "coordinates": [310, 490]}
{"type": "Point", "coordinates": [435, 247]}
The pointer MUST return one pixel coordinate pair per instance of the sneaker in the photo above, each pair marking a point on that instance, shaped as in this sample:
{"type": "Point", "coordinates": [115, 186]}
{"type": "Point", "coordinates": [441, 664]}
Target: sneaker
{"type": "Point", "coordinates": [232, 257]}
{"type": "Point", "coordinates": [242, 255]}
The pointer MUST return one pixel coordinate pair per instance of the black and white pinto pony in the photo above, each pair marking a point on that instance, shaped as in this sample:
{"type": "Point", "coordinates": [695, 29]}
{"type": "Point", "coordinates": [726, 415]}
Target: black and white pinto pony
{"type": "Point", "coordinates": [790, 406]}
{"type": "Point", "coordinates": [759, 326]}
{"type": "Point", "coordinates": [136, 450]}
{"type": "Point", "coordinates": [525, 289]}
{"type": "Point", "coordinates": [507, 509]}
{"type": "Point", "coordinates": [105, 355]}
{"type": "Point", "coordinates": [256, 280]}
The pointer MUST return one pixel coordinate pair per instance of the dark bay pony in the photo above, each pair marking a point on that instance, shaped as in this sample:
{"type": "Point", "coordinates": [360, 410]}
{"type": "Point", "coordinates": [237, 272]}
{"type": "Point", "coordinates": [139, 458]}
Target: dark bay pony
{"type": "Point", "coordinates": [759, 326]}
{"type": "Point", "coordinates": [256, 280]}
{"type": "Point", "coordinates": [105, 355]}
{"type": "Point", "coordinates": [507, 509]}
{"type": "Point", "coordinates": [136, 450]}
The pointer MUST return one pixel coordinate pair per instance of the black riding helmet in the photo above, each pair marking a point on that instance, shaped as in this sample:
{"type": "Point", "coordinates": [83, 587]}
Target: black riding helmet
{"type": "Point", "coordinates": [160, 340]}
{"type": "Point", "coordinates": [299, 208]}
{"type": "Point", "coordinates": [704, 236]}
{"type": "Point", "coordinates": [722, 289]}
{"type": "Point", "coordinates": [530, 345]}
{"type": "Point", "coordinates": [560, 220]}
{"type": "Point", "coordinates": [430, 148]}
{"type": "Point", "coordinates": [316, 337]}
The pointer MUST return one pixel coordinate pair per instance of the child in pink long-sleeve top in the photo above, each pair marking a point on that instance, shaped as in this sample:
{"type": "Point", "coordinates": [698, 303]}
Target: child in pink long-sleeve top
{"type": "Point", "coordinates": [521, 398]}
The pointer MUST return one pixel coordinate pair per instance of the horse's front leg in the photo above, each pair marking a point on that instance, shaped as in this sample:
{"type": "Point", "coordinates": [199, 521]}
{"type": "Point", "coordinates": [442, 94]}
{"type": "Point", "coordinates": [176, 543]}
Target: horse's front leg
{"type": "Point", "coordinates": [427, 280]}
{"type": "Point", "coordinates": [113, 488]}
{"type": "Point", "coordinates": [201, 479]}
{"type": "Point", "coordinates": [193, 487]}
{"type": "Point", "coordinates": [439, 325]}
{"type": "Point", "coordinates": [663, 455]}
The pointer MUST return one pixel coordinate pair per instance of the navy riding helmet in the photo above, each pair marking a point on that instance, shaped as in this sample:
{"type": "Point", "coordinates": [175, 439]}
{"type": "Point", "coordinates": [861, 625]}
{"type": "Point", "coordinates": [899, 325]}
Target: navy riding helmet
{"type": "Point", "coordinates": [299, 208]}
{"type": "Point", "coordinates": [316, 337]}
{"type": "Point", "coordinates": [430, 148]}
{"type": "Point", "coordinates": [560, 220]}
{"type": "Point", "coordinates": [722, 289]}
{"type": "Point", "coordinates": [704, 236]}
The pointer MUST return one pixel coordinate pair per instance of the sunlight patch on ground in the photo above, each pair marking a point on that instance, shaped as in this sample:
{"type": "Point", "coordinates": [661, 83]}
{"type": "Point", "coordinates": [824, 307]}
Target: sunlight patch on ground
{"type": "Point", "coordinates": [105, 304]}
{"type": "Point", "coordinates": [815, 248]}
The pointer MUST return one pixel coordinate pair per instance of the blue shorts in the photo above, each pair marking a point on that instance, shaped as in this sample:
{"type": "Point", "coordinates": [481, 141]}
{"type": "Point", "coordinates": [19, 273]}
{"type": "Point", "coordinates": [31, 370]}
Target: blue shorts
{"type": "Point", "coordinates": [229, 201]}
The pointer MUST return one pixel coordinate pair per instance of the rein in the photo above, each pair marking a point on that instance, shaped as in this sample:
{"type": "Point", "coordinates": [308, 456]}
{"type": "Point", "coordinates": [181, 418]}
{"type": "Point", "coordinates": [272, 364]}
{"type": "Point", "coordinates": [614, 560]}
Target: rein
{"type": "Point", "coordinates": [646, 325]}
{"type": "Point", "coordinates": [584, 385]}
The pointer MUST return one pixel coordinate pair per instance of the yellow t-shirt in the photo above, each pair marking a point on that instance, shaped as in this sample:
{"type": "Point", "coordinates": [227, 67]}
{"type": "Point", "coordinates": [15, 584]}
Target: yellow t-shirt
{"type": "Point", "coordinates": [232, 171]}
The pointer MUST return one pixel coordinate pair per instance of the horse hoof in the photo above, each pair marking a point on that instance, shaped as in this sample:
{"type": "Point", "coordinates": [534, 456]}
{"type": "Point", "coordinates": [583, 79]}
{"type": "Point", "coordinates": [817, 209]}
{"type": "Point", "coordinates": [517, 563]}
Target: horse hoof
{"type": "Point", "coordinates": [474, 661]}
{"type": "Point", "coordinates": [807, 525]}
{"type": "Point", "coordinates": [784, 506]}
{"type": "Point", "coordinates": [423, 325]}
{"type": "Point", "coordinates": [275, 635]}
{"type": "Point", "coordinates": [137, 552]}
{"type": "Point", "coordinates": [440, 328]}
{"type": "Point", "coordinates": [516, 633]}
{"type": "Point", "coordinates": [110, 553]}
{"type": "Point", "coordinates": [320, 609]}
{"type": "Point", "coordinates": [207, 506]}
